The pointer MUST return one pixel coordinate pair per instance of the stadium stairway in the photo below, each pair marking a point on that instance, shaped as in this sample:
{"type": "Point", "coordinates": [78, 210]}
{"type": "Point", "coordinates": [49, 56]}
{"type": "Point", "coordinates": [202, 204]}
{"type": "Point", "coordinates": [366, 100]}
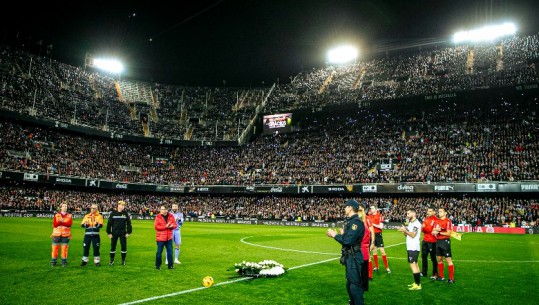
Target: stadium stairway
{"type": "Point", "coordinates": [326, 82]}
{"type": "Point", "coordinates": [359, 78]}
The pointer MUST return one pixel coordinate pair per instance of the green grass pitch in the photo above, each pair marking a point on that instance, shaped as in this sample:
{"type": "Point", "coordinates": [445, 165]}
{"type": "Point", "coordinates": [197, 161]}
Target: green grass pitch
{"type": "Point", "coordinates": [489, 268]}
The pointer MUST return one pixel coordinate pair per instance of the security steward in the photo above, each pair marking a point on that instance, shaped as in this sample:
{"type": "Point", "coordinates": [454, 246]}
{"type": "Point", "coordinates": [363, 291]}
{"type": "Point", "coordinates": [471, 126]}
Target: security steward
{"type": "Point", "coordinates": [119, 227]}
{"type": "Point", "coordinates": [93, 222]}
{"type": "Point", "coordinates": [350, 238]}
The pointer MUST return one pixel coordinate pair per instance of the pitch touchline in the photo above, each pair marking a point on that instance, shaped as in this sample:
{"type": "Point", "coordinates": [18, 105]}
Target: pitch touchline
{"type": "Point", "coordinates": [244, 278]}
{"type": "Point", "coordinates": [184, 291]}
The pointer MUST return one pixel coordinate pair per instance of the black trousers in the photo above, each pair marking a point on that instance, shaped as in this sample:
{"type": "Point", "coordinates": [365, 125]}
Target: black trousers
{"type": "Point", "coordinates": [95, 241]}
{"type": "Point", "coordinates": [354, 285]}
{"type": "Point", "coordinates": [426, 250]}
{"type": "Point", "coordinates": [114, 242]}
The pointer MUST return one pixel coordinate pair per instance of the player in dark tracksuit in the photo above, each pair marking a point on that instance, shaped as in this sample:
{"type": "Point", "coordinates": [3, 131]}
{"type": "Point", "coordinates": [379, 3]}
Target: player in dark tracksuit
{"type": "Point", "coordinates": [119, 226]}
{"type": "Point", "coordinates": [350, 239]}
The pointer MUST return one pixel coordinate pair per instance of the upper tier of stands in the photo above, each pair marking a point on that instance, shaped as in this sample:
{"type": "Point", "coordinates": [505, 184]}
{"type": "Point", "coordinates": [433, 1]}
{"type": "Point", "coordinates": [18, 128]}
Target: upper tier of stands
{"type": "Point", "coordinates": [49, 89]}
{"type": "Point", "coordinates": [451, 69]}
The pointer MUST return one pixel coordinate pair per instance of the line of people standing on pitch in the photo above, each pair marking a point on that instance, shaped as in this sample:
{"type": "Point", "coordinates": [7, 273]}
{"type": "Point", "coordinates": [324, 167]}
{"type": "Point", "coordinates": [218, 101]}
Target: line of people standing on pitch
{"type": "Point", "coordinates": [118, 227]}
{"type": "Point", "coordinates": [167, 226]}
{"type": "Point", "coordinates": [436, 244]}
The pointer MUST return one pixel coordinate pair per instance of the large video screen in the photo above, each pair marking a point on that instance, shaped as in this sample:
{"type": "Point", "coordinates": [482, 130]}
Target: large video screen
{"type": "Point", "coordinates": [277, 123]}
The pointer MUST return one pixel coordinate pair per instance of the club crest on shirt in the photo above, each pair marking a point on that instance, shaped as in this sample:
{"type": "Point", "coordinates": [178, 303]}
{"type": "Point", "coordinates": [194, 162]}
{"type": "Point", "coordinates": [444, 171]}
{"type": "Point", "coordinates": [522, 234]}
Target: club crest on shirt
{"type": "Point", "coordinates": [354, 227]}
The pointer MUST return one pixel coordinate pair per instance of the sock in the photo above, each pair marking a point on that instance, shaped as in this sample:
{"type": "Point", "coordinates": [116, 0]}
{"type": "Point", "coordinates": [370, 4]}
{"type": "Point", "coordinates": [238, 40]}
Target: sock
{"type": "Point", "coordinates": [416, 279]}
{"type": "Point", "coordinates": [370, 269]}
{"type": "Point", "coordinates": [451, 272]}
{"type": "Point", "coordinates": [177, 253]}
{"type": "Point", "coordinates": [441, 270]}
{"type": "Point", "coordinates": [64, 248]}
{"type": "Point", "coordinates": [375, 259]}
{"type": "Point", "coordinates": [123, 256]}
{"type": "Point", "coordinates": [55, 248]}
{"type": "Point", "coordinates": [384, 258]}
{"type": "Point", "coordinates": [112, 254]}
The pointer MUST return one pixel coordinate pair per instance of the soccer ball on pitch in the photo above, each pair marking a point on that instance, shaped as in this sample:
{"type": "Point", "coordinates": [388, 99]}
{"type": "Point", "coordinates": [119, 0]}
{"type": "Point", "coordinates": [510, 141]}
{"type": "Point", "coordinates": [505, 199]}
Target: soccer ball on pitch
{"type": "Point", "coordinates": [207, 281]}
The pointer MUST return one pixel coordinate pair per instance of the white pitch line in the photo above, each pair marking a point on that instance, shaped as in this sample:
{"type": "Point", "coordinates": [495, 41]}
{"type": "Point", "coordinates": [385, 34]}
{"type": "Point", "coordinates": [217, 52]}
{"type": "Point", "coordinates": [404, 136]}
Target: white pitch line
{"type": "Point", "coordinates": [300, 251]}
{"type": "Point", "coordinates": [475, 261]}
{"type": "Point", "coordinates": [284, 249]}
{"type": "Point", "coordinates": [487, 261]}
{"type": "Point", "coordinates": [315, 263]}
{"type": "Point", "coordinates": [219, 284]}
{"type": "Point", "coordinates": [184, 291]}
{"type": "Point", "coordinates": [245, 278]}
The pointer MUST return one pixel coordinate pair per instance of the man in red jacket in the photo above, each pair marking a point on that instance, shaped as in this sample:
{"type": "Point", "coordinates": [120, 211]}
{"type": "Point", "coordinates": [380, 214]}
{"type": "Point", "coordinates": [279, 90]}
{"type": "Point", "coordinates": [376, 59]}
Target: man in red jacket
{"type": "Point", "coordinates": [428, 246]}
{"type": "Point", "coordinates": [164, 225]}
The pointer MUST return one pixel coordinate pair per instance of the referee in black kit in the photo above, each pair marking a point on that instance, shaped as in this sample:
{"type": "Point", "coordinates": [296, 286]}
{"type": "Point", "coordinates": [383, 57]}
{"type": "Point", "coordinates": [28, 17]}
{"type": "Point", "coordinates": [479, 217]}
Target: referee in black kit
{"type": "Point", "coordinates": [119, 227]}
{"type": "Point", "coordinates": [350, 238]}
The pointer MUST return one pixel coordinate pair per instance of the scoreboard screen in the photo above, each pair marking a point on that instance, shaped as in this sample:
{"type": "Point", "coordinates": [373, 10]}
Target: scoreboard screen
{"type": "Point", "coordinates": [277, 123]}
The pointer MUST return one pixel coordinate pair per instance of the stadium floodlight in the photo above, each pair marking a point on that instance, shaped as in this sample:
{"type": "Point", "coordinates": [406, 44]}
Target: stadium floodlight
{"type": "Point", "coordinates": [486, 33]}
{"type": "Point", "coordinates": [109, 65]}
{"type": "Point", "coordinates": [342, 54]}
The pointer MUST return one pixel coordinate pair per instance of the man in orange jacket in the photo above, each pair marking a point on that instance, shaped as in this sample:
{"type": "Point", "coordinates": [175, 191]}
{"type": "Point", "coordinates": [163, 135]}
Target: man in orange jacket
{"type": "Point", "coordinates": [61, 234]}
{"type": "Point", "coordinates": [164, 225]}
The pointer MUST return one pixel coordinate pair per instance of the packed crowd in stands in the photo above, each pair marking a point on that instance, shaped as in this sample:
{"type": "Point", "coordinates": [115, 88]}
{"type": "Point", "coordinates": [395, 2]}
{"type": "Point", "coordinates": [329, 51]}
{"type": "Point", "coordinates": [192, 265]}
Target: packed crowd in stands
{"type": "Point", "coordinates": [48, 89]}
{"type": "Point", "coordinates": [448, 69]}
{"type": "Point", "coordinates": [45, 88]}
{"type": "Point", "coordinates": [453, 142]}
{"type": "Point", "coordinates": [464, 209]}
{"type": "Point", "coordinates": [450, 143]}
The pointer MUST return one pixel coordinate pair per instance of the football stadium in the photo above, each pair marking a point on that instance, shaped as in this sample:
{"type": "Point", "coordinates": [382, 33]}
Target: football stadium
{"type": "Point", "coordinates": [385, 171]}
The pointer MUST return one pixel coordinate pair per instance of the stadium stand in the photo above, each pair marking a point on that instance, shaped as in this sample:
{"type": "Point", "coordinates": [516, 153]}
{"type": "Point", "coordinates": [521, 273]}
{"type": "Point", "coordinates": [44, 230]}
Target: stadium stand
{"type": "Point", "coordinates": [464, 209]}
{"type": "Point", "coordinates": [423, 117]}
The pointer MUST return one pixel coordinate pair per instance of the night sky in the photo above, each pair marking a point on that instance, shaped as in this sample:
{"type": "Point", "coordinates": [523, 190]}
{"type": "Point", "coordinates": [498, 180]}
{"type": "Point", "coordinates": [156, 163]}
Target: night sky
{"type": "Point", "coordinates": [248, 42]}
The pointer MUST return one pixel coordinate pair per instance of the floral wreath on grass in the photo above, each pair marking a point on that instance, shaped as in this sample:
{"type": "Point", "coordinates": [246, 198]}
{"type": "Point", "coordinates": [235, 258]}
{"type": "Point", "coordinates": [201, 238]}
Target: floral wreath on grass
{"type": "Point", "coordinates": [265, 268]}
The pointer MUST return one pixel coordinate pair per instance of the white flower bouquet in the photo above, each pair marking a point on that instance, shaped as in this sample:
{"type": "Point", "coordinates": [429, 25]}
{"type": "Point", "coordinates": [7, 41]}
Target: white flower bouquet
{"type": "Point", "coordinates": [265, 268]}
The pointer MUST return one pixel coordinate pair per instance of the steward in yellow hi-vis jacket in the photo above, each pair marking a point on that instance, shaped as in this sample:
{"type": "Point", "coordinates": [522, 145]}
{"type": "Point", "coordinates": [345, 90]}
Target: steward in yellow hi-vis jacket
{"type": "Point", "coordinates": [92, 221]}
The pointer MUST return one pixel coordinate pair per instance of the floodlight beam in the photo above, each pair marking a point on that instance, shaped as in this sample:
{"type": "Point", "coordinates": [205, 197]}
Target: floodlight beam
{"type": "Point", "coordinates": [343, 54]}
{"type": "Point", "coordinates": [486, 33]}
{"type": "Point", "coordinates": [109, 65]}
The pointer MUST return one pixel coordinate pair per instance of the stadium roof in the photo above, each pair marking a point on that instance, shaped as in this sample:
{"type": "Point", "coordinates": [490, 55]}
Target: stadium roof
{"type": "Point", "coordinates": [242, 42]}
